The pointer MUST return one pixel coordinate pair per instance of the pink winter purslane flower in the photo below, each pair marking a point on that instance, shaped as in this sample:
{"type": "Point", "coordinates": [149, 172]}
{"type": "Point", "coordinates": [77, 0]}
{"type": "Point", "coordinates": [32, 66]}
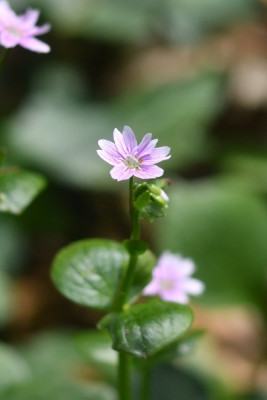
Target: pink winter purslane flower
{"type": "Point", "coordinates": [172, 280]}
{"type": "Point", "coordinates": [131, 159]}
{"type": "Point", "coordinates": [21, 29]}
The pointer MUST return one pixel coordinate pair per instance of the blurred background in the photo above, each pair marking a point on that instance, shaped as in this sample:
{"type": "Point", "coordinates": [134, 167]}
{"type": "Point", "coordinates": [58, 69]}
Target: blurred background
{"type": "Point", "coordinates": [194, 73]}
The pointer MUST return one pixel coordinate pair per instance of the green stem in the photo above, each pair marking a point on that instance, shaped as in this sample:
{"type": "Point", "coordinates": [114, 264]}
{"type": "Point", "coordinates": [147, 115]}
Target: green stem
{"type": "Point", "coordinates": [124, 381]}
{"type": "Point", "coordinates": [145, 384]}
{"type": "Point", "coordinates": [123, 292]}
{"type": "Point", "coordinates": [124, 376]}
{"type": "Point", "coordinates": [3, 58]}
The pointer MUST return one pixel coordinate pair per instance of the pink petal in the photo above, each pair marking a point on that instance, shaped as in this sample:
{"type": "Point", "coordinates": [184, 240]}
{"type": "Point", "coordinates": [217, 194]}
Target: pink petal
{"type": "Point", "coordinates": [29, 19]}
{"type": "Point", "coordinates": [146, 145]}
{"type": "Point", "coordinates": [39, 30]}
{"type": "Point", "coordinates": [152, 288]}
{"type": "Point", "coordinates": [157, 155]}
{"type": "Point", "coordinates": [129, 139]}
{"type": "Point", "coordinates": [7, 15]}
{"type": "Point", "coordinates": [149, 172]}
{"type": "Point", "coordinates": [107, 157]}
{"type": "Point", "coordinates": [164, 195]}
{"type": "Point", "coordinates": [8, 40]}
{"type": "Point", "coordinates": [120, 143]}
{"type": "Point", "coordinates": [121, 172]}
{"type": "Point", "coordinates": [186, 267]}
{"type": "Point", "coordinates": [174, 296]}
{"type": "Point", "coordinates": [109, 148]}
{"type": "Point", "coordinates": [194, 286]}
{"type": "Point", "coordinates": [33, 44]}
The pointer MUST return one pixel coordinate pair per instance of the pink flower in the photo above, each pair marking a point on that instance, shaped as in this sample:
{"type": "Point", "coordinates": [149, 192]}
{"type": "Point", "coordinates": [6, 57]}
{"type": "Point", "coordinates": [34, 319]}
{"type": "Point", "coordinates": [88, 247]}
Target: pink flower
{"type": "Point", "coordinates": [20, 29]}
{"type": "Point", "coordinates": [130, 159]}
{"type": "Point", "coordinates": [172, 279]}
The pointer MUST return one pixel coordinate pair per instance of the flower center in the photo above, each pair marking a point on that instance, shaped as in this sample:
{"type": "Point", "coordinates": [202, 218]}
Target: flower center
{"type": "Point", "coordinates": [13, 31]}
{"type": "Point", "coordinates": [132, 162]}
{"type": "Point", "coordinates": [167, 284]}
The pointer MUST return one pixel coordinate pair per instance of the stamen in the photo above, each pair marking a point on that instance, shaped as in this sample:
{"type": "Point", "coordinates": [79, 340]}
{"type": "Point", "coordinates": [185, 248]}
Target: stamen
{"type": "Point", "coordinates": [132, 162]}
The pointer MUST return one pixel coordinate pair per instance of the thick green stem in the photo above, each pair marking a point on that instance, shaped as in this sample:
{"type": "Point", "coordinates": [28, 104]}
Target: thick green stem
{"type": "Point", "coordinates": [124, 376]}
{"type": "Point", "coordinates": [124, 381]}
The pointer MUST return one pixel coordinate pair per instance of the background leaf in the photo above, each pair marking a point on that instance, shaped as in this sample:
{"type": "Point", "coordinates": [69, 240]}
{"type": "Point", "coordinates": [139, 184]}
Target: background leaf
{"type": "Point", "coordinates": [13, 369]}
{"type": "Point", "coordinates": [18, 188]}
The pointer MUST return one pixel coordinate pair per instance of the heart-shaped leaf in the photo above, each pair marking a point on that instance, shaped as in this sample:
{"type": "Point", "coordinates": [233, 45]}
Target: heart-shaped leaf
{"type": "Point", "coordinates": [147, 328]}
{"type": "Point", "coordinates": [18, 188]}
{"type": "Point", "coordinates": [180, 348]}
{"type": "Point", "coordinates": [88, 272]}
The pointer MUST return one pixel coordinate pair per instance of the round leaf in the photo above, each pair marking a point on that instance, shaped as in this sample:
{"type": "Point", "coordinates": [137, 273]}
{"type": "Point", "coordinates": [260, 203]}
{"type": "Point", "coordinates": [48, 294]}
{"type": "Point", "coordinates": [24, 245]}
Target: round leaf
{"type": "Point", "coordinates": [88, 272]}
{"type": "Point", "coordinates": [147, 328]}
{"type": "Point", "coordinates": [18, 188]}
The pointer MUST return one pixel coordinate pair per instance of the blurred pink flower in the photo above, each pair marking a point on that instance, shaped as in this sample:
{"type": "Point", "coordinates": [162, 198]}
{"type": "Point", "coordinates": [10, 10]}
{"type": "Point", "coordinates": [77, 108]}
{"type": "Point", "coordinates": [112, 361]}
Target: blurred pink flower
{"type": "Point", "coordinates": [130, 159]}
{"type": "Point", "coordinates": [172, 279]}
{"type": "Point", "coordinates": [21, 30]}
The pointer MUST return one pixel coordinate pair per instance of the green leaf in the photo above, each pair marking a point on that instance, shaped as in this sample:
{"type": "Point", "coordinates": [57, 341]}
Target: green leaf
{"type": "Point", "coordinates": [135, 246]}
{"type": "Point", "coordinates": [147, 328]}
{"type": "Point", "coordinates": [51, 354]}
{"type": "Point", "coordinates": [18, 188]}
{"type": "Point", "coordinates": [88, 272]}
{"type": "Point", "coordinates": [142, 200]}
{"type": "Point", "coordinates": [224, 232]}
{"type": "Point", "coordinates": [13, 368]}
{"type": "Point", "coordinates": [153, 211]}
{"type": "Point", "coordinates": [181, 348]}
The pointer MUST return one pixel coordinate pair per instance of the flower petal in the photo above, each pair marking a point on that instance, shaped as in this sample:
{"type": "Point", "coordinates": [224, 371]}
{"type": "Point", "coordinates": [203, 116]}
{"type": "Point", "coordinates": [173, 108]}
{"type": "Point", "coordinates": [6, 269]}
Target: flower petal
{"type": "Point", "coordinates": [29, 19]}
{"type": "Point", "coordinates": [157, 155]}
{"type": "Point", "coordinates": [146, 145]}
{"type": "Point", "coordinates": [107, 157]}
{"type": "Point", "coordinates": [129, 139]}
{"type": "Point", "coordinates": [120, 143]}
{"type": "Point", "coordinates": [110, 148]}
{"type": "Point", "coordinates": [7, 15]}
{"type": "Point", "coordinates": [152, 288]}
{"type": "Point", "coordinates": [149, 172]}
{"type": "Point", "coordinates": [9, 40]}
{"type": "Point", "coordinates": [194, 286]}
{"type": "Point", "coordinates": [120, 172]}
{"type": "Point", "coordinates": [174, 295]}
{"type": "Point", "coordinates": [33, 44]}
{"type": "Point", "coordinates": [186, 267]}
{"type": "Point", "coordinates": [39, 30]}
